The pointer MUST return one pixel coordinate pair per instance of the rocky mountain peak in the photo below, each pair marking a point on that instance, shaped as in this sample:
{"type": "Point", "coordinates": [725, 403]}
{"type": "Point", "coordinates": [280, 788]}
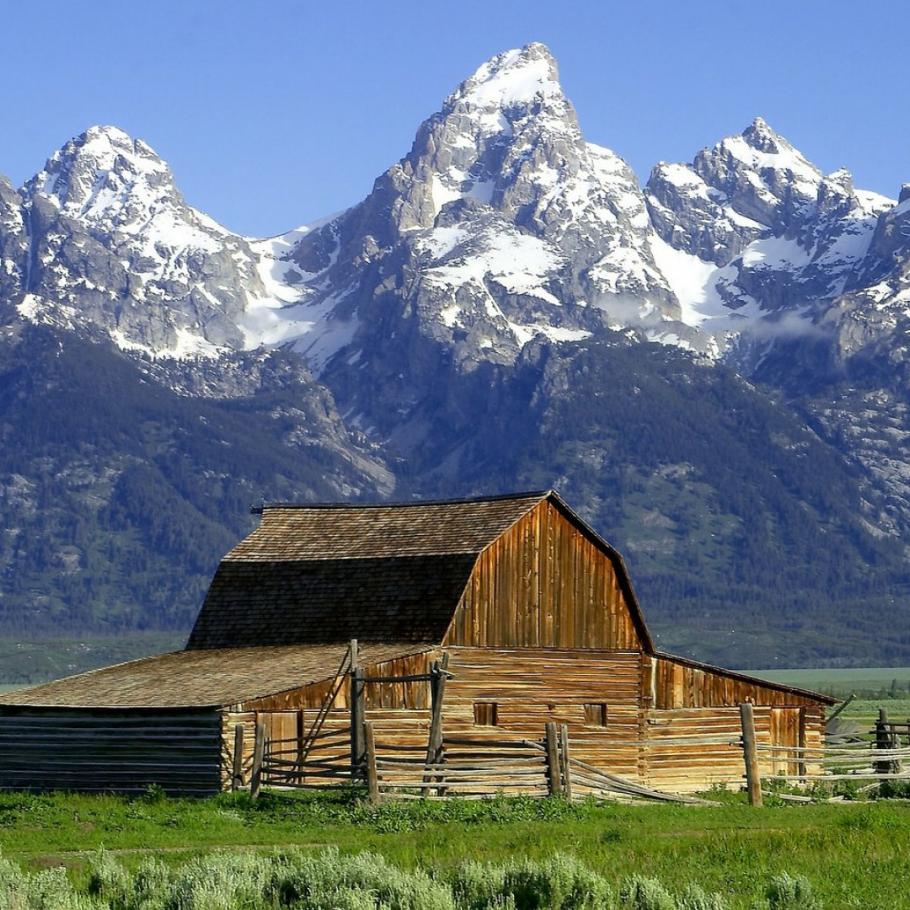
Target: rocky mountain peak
{"type": "Point", "coordinates": [509, 119]}
{"type": "Point", "coordinates": [760, 136]}
{"type": "Point", "coordinates": [763, 175]}
{"type": "Point", "coordinates": [500, 224]}
{"type": "Point", "coordinates": [104, 175]}
{"type": "Point", "coordinates": [114, 247]}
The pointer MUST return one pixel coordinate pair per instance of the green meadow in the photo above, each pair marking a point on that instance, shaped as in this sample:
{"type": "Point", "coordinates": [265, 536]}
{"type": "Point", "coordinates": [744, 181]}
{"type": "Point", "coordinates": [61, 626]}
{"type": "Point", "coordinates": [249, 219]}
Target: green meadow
{"type": "Point", "coordinates": [849, 855]}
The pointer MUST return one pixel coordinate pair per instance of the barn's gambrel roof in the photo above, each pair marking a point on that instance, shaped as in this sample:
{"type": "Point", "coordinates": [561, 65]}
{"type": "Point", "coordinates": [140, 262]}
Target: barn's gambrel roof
{"type": "Point", "coordinates": [312, 574]}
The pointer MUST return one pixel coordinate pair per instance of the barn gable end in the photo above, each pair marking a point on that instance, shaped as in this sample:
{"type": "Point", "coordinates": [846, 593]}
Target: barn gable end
{"type": "Point", "coordinates": [549, 582]}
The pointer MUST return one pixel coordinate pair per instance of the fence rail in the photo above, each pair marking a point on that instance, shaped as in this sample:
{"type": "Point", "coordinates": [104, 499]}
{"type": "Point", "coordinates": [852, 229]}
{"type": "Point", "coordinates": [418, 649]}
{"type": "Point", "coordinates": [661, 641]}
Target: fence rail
{"type": "Point", "coordinates": [320, 760]}
{"type": "Point", "coordinates": [466, 766]}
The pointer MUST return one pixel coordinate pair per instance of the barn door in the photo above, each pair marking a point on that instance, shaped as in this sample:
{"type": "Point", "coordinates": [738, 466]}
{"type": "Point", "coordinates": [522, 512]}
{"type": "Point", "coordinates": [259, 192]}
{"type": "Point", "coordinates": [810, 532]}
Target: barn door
{"type": "Point", "coordinates": [786, 724]}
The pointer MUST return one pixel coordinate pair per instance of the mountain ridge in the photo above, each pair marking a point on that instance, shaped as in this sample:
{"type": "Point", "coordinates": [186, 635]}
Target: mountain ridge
{"type": "Point", "coordinates": [501, 310]}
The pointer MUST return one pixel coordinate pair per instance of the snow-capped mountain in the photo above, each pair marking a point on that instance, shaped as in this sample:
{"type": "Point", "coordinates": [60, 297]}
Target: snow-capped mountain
{"type": "Point", "coordinates": [484, 317]}
{"type": "Point", "coordinates": [113, 244]}
{"type": "Point", "coordinates": [501, 225]}
{"type": "Point", "coordinates": [785, 240]}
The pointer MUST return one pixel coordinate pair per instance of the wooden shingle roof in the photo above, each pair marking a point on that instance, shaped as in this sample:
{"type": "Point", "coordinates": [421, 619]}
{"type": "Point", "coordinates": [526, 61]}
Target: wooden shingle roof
{"type": "Point", "coordinates": [437, 528]}
{"type": "Point", "coordinates": [211, 678]}
{"type": "Point", "coordinates": [329, 573]}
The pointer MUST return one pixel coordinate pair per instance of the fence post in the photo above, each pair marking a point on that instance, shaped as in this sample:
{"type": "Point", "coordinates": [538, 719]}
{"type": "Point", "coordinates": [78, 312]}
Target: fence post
{"type": "Point", "coordinates": [554, 774]}
{"type": "Point", "coordinates": [258, 754]}
{"type": "Point", "coordinates": [356, 714]}
{"type": "Point", "coordinates": [750, 753]}
{"type": "Point", "coordinates": [566, 766]}
{"type": "Point", "coordinates": [237, 772]}
{"type": "Point", "coordinates": [372, 772]}
{"type": "Point", "coordinates": [301, 736]}
{"type": "Point", "coordinates": [439, 675]}
{"type": "Point", "coordinates": [802, 743]}
{"type": "Point", "coordinates": [883, 742]}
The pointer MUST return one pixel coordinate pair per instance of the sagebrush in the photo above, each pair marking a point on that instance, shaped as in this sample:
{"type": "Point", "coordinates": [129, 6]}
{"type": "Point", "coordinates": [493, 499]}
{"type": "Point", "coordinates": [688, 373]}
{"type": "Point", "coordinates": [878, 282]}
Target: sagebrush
{"type": "Point", "coordinates": [330, 880]}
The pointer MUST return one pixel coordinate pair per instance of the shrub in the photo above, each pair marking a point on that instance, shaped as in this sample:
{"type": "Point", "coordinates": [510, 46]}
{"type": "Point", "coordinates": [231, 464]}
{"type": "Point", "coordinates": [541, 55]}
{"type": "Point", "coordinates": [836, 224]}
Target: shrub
{"type": "Point", "coordinates": [220, 882]}
{"type": "Point", "coordinates": [50, 889]}
{"type": "Point", "coordinates": [320, 881]}
{"type": "Point", "coordinates": [110, 881]}
{"type": "Point", "coordinates": [640, 893]}
{"type": "Point", "coordinates": [560, 883]}
{"type": "Point", "coordinates": [696, 898]}
{"type": "Point", "coordinates": [787, 892]}
{"type": "Point", "coordinates": [13, 885]}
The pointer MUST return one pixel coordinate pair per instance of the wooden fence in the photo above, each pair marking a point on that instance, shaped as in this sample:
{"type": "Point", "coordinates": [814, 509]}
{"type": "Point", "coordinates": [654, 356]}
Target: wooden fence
{"type": "Point", "coordinates": [869, 759]}
{"type": "Point", "coordinates": [466, 766]}
{"type": "Point", "coordinates": [323, 760]}
{"type": "Point", "coordinates": [469, 767]}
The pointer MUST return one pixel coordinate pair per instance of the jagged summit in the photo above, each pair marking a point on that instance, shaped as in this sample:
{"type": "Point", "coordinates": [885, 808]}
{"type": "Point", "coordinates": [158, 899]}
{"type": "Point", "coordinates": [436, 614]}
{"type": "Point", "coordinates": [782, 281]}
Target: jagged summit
{"type": "Point", "coordinates": [518, 76]}
{"type": "Point", "coordinates": [501, 224]}
{"type": "Point", "coordinates": [762, 136]}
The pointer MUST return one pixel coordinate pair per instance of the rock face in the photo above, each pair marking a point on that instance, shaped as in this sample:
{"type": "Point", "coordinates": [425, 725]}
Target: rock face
{"type": "Point", "coordinates": [13, 244]}
{"type": "Point", "coordinates": [786, 240]}
{"type": "Point", "coordinates": [714, 366]}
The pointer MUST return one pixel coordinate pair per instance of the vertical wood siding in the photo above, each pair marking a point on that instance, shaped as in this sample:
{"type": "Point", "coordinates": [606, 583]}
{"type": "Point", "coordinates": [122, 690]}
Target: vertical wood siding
{"type": "Point", "coordinates": [544, 583]}
{"type": "Point", "coordinates": [676, 684]}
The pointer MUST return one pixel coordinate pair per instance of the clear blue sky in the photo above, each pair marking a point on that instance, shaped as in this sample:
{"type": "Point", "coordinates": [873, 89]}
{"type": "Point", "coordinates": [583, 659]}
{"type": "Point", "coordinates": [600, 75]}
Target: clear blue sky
{"type": "Point", "coordinates": [274, 114]}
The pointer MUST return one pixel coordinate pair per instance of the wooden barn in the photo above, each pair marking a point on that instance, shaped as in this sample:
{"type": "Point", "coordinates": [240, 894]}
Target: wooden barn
{"type": "Point", "coordinates": [524, 611]}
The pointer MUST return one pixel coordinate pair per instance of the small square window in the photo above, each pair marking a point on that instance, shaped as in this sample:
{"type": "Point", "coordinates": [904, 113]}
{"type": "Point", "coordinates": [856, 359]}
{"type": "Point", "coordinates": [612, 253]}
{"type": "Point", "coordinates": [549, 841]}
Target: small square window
{"type": "Point", "coordinates": [485, 713]}
{"type": "Point", "coordinates": [596, 714]}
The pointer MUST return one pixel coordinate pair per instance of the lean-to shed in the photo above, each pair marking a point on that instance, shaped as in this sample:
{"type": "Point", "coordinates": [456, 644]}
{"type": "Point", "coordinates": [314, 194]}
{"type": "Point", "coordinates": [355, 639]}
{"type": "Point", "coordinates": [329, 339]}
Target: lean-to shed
{"type": "Point", "coordinates": [534, 610]}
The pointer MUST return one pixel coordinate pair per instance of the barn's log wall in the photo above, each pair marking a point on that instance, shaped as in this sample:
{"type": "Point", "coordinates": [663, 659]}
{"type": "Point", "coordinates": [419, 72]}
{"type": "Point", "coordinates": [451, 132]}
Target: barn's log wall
{"type": "Point", "coordinates": [533, 686]}
{"type": "Point", "coordinates": [709, 753]}
{"type": "Point", "coordinates": [110, 750]}
{"type": "Point", "coordinates": [689, 749]}
{"type": "Point", "coordinates": [544, 583]}
{"type": "Point", "coordinates": [377, 694]}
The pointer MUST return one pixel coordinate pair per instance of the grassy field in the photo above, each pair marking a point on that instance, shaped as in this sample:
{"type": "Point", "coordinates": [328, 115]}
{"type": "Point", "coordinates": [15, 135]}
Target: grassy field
{"type": "Point", "coordinates": [850, 853]}
{"type": "Point", "coordinates": [862, 680]}
{"type": "Point", "coordinates": [25, 661]}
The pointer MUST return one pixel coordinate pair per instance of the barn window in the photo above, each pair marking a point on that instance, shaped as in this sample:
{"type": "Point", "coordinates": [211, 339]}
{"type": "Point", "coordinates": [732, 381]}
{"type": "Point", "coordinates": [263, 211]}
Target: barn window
{"type": "Point", "coordinates": [485, 713]}
{"type": "Point", "coordinates": [596, 714]}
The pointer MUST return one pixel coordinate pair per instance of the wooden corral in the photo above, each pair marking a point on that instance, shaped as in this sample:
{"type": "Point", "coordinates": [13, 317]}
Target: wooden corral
{"type": "Point", "coordinates": [534, 613]}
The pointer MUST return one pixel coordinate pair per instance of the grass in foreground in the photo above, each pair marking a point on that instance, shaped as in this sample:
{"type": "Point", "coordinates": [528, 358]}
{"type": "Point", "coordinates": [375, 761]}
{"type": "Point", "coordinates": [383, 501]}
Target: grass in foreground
{"type": "Point", "coordinates": [850, 855]}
